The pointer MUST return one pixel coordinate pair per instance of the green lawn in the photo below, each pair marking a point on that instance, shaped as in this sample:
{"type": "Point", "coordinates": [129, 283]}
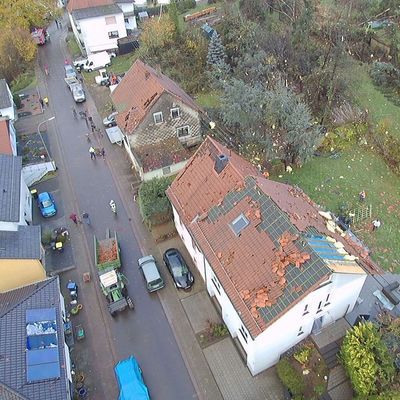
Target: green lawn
{"type": "Point", "coordinates": [370, 98]}
{"type": "Point", "coordinates": [208, 100]}
{"type": "Point", "coordinates": [27, 80]}
{"type": "Point", "coordinates": [73, 47]}
{"type": "Point", "coordinates": [331, 182]}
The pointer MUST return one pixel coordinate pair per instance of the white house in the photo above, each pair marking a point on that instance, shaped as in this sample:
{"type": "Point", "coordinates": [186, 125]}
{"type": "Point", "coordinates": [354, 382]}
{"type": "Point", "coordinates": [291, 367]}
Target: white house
{"type": "Point", "coordinates": [98, 24]}
{"type": "Point", "coordinates": [15, 197]}
{"type": "Point", "coordinates": [128, 9]}
{"type": "Point", "coordinates": [7, 106]}
{"type": "Point", "coordinates": [277, 268]}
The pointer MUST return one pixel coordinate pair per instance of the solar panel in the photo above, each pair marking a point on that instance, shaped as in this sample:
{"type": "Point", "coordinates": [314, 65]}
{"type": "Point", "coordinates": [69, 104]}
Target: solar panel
{"type": "Point", "coordinates": [42, 356]}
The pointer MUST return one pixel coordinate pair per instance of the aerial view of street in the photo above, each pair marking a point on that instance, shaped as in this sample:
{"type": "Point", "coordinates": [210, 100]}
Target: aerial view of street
{"type": "Point", "coordinates": [199, 200]}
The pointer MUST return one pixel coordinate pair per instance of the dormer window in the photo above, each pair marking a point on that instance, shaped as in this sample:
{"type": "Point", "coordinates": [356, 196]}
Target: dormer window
{"type": "Point", "coordinates": [175, 113]}
{"type": "Point", "coordinates": [158, 117]}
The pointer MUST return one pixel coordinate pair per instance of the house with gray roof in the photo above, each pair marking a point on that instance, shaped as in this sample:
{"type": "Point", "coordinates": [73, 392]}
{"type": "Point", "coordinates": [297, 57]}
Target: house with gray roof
{"type": "Point", "coordinates": [15, 197]}
{"type": "Point", "coordinates": [98, 24]}
{"type": "Point", "coordinates": [7, 106]}
{"type": "Point", "coordinates": [35, 362]}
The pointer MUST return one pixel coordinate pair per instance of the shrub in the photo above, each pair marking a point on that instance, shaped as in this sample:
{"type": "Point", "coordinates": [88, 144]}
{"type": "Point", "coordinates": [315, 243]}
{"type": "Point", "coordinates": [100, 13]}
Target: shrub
{"type": "Point", "coordinates": [17, 101]}
{"type": "Point", "coordinates": [290, 377]}
{"type": "Point", "coordinates": [154, 205]}
{"type": "Point", "coordinates": [303, 355]}
{"type": "Point", "coordinates": [366, 359]}
{"type": "Point", "coordinates": [185, 5]}
{"type": "Point", "coordinates": [385, 75]}
{"type": "Point", "coordinates": [342, 137]}
{"type": "Point", "coordinates": [46, 238]}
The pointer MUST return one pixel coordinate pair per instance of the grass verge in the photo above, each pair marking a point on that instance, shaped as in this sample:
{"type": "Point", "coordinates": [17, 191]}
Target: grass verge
{"type": "Point", "coordinates": [27, 80]}
{"type": "Point", "coordinates": [208, 100]}
{"type": "Point", "coordinates": [332, 182]}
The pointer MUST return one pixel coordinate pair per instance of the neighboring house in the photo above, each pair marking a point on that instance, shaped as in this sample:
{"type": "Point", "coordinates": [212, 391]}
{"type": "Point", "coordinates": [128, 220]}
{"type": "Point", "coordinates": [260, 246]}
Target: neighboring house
{"type": "Point", "coordinates": [21, 257]}
{"type": "Point", "coordinates": [15, 197]}
{"type": "Point", "coordinates": [98, 24]}
{"type": "Point", "coordinates": [159, 120]}
{"type": "Point", "coordinates": [7, 106]}
{"type": "Point", "coordinates": [277, 267]}
{"type": "Point", "coordinates": [8, 137]}
{"type": "Point", "coordinates": [128, 8]}
{"type": "Point", "coordinates": [35, 362]}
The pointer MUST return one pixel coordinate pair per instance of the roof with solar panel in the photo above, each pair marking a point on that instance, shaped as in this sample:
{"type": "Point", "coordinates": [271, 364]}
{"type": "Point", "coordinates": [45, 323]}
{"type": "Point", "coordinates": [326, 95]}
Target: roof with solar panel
{"type": "Point", "coordinates": [32, 365]}
{"type": "Point", "coordinates": [267, 242]}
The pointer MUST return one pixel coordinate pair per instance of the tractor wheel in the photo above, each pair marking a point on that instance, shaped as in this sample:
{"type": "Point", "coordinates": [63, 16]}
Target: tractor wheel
{"type": "Point", "coordinates": [113, 313]}
{"type": "Point", "coordinates": [130, 303]}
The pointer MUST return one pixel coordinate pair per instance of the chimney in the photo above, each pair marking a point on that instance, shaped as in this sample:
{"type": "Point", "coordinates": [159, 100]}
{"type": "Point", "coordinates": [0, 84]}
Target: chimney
{"type": "Point", "coordinates": [220, 163]}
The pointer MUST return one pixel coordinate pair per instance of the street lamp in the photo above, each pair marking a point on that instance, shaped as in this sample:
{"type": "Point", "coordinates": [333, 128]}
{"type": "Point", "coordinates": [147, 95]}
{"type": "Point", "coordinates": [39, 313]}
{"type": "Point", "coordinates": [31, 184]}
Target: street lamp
{"type": "Point", "coordinates": [41, 137]}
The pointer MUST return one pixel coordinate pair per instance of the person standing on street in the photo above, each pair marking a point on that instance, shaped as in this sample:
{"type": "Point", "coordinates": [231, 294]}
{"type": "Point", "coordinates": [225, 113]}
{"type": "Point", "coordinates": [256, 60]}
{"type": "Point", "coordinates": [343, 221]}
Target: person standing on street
{"type": "Point", "coordinates": [103, 153]}
{"type": "Point", "coordinates": [86, 218]}
{"type": "Point", "coordinates": [73, 217]}
{"type": "Point", "coordinates": [74, 113]}
{"type": "Point", "coordinates": [92, 152]}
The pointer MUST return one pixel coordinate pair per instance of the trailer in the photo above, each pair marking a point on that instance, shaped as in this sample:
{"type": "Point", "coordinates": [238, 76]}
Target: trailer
{"type": "Point", "coordinates": [112, 281]}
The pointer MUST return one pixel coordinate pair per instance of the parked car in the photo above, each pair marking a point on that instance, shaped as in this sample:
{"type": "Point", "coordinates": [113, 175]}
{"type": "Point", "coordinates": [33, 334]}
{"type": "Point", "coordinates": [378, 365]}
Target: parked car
{"type": "Point", "coordinates": [69, 71]}
{"type": "Point", "coordinates": [151, 274]}
{"type": "Point", "coordinates": [79, 63]}
{"type": "Point", "coordinates": [130, 380]}
{"type": "Point", "coordinates": [78, 94]}
{"type": "Point", "coordinates": [47, 205]}
{"type": "Point", "coordinates": [178, 269]}
{"type": "Point", "coordinates": [110, 120]}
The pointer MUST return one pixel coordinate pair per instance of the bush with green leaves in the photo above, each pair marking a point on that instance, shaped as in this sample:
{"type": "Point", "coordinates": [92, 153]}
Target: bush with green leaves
{"type": "Point", "coordinates": [154, 205]}
{"type": "Point", "coordinates": [367, 360]}
{"type": "Point", "coordinates": [303, 355]}
{"type": "Point", "coordinates": [291, 378]}
{"type": "Point", "coordinates": [385, 74]}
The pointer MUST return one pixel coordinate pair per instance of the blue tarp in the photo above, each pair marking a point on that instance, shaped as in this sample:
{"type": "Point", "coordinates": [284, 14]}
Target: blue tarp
{"type": "Point", "coordinates": [130, 380]}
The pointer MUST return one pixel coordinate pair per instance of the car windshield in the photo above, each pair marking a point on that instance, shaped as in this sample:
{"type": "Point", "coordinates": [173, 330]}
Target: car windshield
{"type": "Point", "coordinates": [46, 203]}
{"type": "Point", "coordinates": [178, 266]}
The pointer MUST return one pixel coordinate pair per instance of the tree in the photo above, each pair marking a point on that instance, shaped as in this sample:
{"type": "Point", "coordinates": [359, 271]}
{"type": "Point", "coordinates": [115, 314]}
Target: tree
{"type": "Point", "coordinates": [367, 360]}
{"type": "Point", "coordinates": [295, 135]}
{"type": "Point", "coordinates": [158, 33]}
{"type": "Point", "coordinates": [216, 57]}
{"type": "Point", "coordinates": [253, 10]}
{"type": "Point", "coordinates": [174, 15]}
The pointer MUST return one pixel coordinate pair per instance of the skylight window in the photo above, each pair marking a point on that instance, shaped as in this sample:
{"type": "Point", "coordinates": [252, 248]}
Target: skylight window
{"type": "Point", "coordinates": [238, 224]}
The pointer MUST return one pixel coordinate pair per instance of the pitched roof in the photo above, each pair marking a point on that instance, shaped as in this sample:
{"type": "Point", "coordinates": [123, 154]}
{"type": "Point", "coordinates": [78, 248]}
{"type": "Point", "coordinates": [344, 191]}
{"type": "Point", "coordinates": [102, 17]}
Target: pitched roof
{"type": "Point", "coordinates": [7, 393]}
{"type": "Point", "coordinates": [255, 234]}
{"type": "Point", "coordinates": [92, 12]}
{"type": "Point", "coordinates": [139, 89]}
{"type": "Point", "coordinates": [10, 186]}
{"type": "Point", "coordinates": [81, 4]}
{"type": "Point", "coordinates": [13, 342]}
{"type": "Point", "coordinates": [21, 244]}
{"type": "Point", "coordinates": [5, 101]}
{"type": "Point", "coordinates": [5, 143]}
{"type": "Point", "coordinates": [162, 154]}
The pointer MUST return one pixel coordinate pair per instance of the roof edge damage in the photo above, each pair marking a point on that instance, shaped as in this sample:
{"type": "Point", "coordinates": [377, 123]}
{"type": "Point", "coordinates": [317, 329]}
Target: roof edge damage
{"type": "Point", "coordinates": [267, 242]}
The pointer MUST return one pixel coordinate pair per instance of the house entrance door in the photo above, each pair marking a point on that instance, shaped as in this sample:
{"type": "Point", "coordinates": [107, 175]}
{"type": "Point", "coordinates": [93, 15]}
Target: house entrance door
{"type": "Point", "coordinates": [317, 325]}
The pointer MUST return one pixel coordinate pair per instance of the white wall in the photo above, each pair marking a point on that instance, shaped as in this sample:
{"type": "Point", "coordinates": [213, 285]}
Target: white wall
{"type": "Point", "coordinates": [94, 32]}
{"type": "Point", "coordinates": [25, 214]}
{"type": "Point", "coordinates": [158, 173]}
{"type": "Point", "coordinates": [13, 137]}
{"type": "Point", "coordinates": [9, 112]}
{"type": "Point", "coordinates": [265, 350]}
{"type": "Point", "coordinates": [33, 173]}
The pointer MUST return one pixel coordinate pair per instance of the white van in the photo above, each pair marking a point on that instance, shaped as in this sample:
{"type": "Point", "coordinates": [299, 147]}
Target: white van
{"type": "Point", "coordinates": [96, 61]}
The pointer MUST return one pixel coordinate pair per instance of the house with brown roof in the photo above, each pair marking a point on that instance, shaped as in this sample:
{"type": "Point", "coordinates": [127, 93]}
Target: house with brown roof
{"type": "Point", "coordinates": [98, 24]}
{"type": "Point", "coordinates": [277, 266]}
{"type": "Point", "coordinates": [159, 120]}
{"type": "Point", "coordinates": [8, 137]}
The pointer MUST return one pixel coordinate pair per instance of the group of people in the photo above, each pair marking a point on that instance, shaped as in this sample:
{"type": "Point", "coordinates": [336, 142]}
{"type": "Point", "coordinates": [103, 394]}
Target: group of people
{"type": "Point", "coordinates": [93, 152]}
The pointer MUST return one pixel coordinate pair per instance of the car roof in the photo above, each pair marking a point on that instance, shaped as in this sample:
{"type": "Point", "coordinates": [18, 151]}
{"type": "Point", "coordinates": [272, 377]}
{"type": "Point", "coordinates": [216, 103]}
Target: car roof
{"type": "Point", "coordinates": [44, 195]}
{"type": "Point", "coordinates": [150, 270]}
{"type": "Point", "coordinates": [68, 66]}
{"type": "Point", "coordinates": [130, 380]}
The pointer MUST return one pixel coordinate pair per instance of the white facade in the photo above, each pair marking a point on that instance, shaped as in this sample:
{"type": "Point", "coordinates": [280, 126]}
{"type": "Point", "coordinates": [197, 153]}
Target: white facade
{"type": "Point", "coordinates": [9, 112]}
{"type": "Point", "coordinates": [129, 16]}
{"type": "Point", "coordinates": [99, 33]}
{"type": "Point", "coordinates": [331, 301]}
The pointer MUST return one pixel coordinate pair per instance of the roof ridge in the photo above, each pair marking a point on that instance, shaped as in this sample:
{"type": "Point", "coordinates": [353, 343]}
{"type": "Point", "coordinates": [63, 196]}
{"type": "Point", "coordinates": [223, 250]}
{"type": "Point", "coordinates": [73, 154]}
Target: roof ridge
{"type": "Point", "coordinates": [42, 284]}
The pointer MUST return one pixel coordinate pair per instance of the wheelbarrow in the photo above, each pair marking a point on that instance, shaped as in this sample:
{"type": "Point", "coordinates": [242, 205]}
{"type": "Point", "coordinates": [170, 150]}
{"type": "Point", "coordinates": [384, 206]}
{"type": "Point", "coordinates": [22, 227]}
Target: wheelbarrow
{"type": "Point", "coordinates": [79, 332]}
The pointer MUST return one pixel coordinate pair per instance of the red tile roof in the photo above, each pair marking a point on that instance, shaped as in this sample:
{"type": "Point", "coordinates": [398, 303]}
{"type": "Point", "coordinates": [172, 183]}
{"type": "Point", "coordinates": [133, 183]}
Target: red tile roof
{"type": "Point", "coordinates": [81, 4]}
{"type": "Point", "coordinates": [139, 89]}
{"type": "Point", "coordinates": [252, 267]}
{"type": "Point", "coordinates": [5, 144]}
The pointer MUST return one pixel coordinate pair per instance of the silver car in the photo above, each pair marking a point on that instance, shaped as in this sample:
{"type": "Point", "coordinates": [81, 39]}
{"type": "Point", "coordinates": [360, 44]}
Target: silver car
{"type": "Point", "coordinates": [110, 120]}
{"type": "Point", "coordinates": [78, 94]}
{"type": "Point", "coordinates": [151, 274]}
{"type": "Point", "coordinates": [69, 71]}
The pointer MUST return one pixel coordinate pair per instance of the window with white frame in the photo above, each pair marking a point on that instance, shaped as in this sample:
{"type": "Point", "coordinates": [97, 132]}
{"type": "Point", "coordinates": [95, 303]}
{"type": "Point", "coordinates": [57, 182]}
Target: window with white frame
{"type": "Point", "coordinates": [183, 131]}
{"type": "Point", "coordinates": [175, 113]}
{"type": "Point", "coordinates": [158, 117]}
{"type": "Point", "coordinates": [243, 333]}
{"type": "Point", "coordinates": [113, 35]}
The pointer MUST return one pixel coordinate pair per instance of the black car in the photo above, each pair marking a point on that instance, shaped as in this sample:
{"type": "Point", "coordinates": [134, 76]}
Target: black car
{"type": "Point", "coordinates": [178, 268]}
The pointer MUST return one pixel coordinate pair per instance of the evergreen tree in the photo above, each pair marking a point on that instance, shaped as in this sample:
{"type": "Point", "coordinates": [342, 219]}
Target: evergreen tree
{"type": "Point", "coordinates": [216, 57]}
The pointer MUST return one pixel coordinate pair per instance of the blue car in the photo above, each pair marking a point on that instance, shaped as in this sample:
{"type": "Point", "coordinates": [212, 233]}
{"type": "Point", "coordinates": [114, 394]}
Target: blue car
{"type": "Point", "coordinates": [130, 380]}
{"type": "Point", "coordinates": [46, 204]}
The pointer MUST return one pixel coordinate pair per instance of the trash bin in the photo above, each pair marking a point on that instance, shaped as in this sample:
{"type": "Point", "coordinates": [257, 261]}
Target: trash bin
{"type": "Point", "coordinates": [34, 193]}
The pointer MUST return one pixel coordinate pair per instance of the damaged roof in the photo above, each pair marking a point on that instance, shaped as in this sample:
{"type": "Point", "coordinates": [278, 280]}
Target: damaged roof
{"type": "Point", "coordinates": [139, 89]}
{"type": "Point", "coordinates": [258, 235]}
{"type": "Point", "coordinates": [82, 4]}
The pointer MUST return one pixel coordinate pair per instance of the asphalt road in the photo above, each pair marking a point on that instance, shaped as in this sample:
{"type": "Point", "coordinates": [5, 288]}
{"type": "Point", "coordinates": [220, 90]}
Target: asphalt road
{"type": "Point", "coordinates": [144, 332]}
